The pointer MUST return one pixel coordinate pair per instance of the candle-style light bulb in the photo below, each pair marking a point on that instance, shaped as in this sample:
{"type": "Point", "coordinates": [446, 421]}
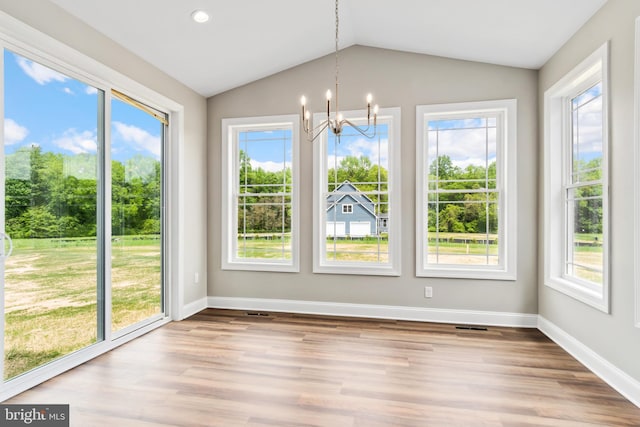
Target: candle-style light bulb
{"type": "Point", "coordinates": [328, 95]}
{"type": "Point", "coordinates": [369, 98]}
{"type": "Point", "coordinates": [303, 100]}
{"type": "Point", "coordinates": [307, 115]}
{"type": "Point", "coordinates": [375, 109]}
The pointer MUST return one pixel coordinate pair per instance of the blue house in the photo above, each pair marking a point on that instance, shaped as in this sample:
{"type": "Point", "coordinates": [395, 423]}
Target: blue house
{"type": "Point", "coordinates": [350, 213]}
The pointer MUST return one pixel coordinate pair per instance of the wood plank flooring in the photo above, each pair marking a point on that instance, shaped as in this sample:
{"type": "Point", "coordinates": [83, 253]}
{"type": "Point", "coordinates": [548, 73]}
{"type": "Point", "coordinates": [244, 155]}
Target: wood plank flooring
{"type": "Point", "coordinates": [228, 368]}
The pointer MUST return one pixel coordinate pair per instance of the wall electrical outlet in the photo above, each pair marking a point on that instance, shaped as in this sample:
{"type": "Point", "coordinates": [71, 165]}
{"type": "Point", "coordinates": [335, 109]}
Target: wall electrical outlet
{"type": "Point", "coordinates": [428, 292]}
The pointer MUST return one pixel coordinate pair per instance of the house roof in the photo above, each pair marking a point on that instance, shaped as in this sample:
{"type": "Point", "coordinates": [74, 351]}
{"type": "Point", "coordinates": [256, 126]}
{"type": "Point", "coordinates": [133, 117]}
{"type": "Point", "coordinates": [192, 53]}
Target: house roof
{"type": "Point", "coordinates": [347, 189]}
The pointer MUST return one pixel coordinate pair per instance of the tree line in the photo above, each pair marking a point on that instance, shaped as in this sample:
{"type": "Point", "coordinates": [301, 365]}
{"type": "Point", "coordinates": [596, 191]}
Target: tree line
{"type": "Point", "coordinates": [459, 211]}
{"type": "Point", "coordinates": [477, 212]}
{"type": "Point", "coordinates": [49, 195]}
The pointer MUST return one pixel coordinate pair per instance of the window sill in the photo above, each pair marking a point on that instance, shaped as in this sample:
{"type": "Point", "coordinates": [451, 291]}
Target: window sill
{"type": "Point", "coordinates": [261, 266]}
{"type": "Point", "coordinates": [592, 298]}
{"type": "Point", "coordinates": [467, 273]}
{"type": "Point", "coordinates": [356, 269]}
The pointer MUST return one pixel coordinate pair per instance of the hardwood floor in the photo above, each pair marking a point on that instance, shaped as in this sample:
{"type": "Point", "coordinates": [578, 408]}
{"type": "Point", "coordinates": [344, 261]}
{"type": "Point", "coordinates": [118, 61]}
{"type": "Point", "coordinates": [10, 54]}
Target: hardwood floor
{"type": "Point", "coordinates": [228, 368]}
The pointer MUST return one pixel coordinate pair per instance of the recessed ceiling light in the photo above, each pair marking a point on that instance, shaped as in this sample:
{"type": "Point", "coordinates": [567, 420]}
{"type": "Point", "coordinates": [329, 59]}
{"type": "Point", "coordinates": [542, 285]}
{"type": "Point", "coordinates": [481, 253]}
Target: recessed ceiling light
{"type": "Point", "coordinates": [200, 16]}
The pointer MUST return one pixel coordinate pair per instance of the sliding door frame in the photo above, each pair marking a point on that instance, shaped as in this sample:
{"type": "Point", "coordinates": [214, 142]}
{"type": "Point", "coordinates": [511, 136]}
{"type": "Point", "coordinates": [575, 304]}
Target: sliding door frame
{"type": "Point", "coordinates": [24, 40]}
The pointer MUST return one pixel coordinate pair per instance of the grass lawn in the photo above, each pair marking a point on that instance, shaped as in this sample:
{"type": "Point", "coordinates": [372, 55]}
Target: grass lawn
{"type": "Point", "coordinates": [51, 294]}
{"type": "Point", "coordinates": [51, 285]}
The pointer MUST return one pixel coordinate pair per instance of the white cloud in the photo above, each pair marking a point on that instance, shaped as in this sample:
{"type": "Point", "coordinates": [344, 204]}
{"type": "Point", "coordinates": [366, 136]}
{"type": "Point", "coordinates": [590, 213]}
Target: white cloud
{"type": "Point", "coordinates": [139, 138]}
{"type": "Point", "coordinates": [269, 166]}
{"type": "Point", "coordinates": [376, 152]}
{"type": "Point", "coordinates": [463, 146]}
{"type": "Point", "coordinates": [77, 142]}
{"type": "Point", "coordinates": [590, 128]}
{"type": "Point", "coordinates": [68, 91]}
{"type": "Point", "coordinates": [90, 90]}
{"type": "Point", "coordinates": [13, 132]}
{"type": "Point", "coordinates": [39, 73]}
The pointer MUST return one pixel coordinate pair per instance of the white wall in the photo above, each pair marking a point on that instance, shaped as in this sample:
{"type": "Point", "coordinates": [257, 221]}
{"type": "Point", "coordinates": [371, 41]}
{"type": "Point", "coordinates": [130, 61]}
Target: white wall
{"type": "Point", "coordinates": [55, 22]}
{"type": "Point", "coordinates": [396, 79]}
{"type": "Point", "coordinates": [612, 336]}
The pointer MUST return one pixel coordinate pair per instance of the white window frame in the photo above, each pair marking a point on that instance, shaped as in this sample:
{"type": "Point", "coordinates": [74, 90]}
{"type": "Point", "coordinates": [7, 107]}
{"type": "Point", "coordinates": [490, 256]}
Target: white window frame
{"type": "Point", "coordinates": [557, 137]}
{"type": "Point", "coordinates": [506, 164]}
{"type": "Point", "coordinates": [230, 163]}
{"type": "Point", "coordinates": [636, 169]}
{"type": "Point", "coordinates": [347, 208]}
{"type": "Point", "coordinates": [390, 116]}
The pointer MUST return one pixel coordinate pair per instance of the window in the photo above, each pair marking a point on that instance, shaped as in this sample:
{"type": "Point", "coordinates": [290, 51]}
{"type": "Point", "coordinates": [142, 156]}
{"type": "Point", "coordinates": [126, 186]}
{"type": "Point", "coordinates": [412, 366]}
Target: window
{"type": "Point", "coordinates": [576, 183]}
{"type": "Point", "coordinates": [260, 220]}
{"type": "Point", "coordinates": [466, 190]}
{"type": "Point", "coordinates": [356, 185]}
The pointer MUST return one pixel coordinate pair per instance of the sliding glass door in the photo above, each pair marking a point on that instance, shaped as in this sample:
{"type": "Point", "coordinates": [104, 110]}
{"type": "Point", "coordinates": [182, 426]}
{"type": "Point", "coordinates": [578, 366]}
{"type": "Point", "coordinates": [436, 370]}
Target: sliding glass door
{"type": "Point", "coordinates": [51, 189]}
{"type": "Point", "coordinates": [136, 213]}
{"type": "Point", "coordinates": [66, 258]}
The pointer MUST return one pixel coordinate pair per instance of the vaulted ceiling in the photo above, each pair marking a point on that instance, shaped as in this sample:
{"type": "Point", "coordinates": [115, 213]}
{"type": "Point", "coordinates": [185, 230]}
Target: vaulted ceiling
{"type": "Point", "coordinates": [245, 40]}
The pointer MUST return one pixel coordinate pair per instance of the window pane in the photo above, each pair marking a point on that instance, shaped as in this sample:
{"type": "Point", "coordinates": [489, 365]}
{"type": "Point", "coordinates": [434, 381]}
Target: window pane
{"type": "Point", "coordinates": [587, 135]}
{"type": "Point", "coordinates": [462, 191]}
{"type": "Point", "coordinates": [357, 195]}
{"type": "Point", "coordinates": [264, 172]}
{"type": "Point", "coordinates": [136, 219]}
{"type": "Point", "coordinates": [51, 183]}
{"type": "Point", "coordinates": [584, 253]}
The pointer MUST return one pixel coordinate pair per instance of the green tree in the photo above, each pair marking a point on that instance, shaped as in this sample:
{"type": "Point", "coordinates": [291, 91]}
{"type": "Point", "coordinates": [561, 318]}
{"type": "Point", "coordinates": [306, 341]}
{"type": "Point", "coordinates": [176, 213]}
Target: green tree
{"type": "Point", "coordinates": [460, 211]}
{"type": "Point", "coordinates": [265, 209]}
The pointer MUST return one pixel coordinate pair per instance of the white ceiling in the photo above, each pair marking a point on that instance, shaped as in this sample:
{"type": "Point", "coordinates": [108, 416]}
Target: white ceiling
{"type": "Point", "coordinates": [249, 39]}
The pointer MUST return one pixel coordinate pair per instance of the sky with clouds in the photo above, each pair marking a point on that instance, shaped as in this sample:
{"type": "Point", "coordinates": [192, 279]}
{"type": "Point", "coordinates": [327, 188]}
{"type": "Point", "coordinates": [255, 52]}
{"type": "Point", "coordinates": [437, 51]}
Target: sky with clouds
{"type": "Point", "coordinates": [269, 150]}
{"type": "Point", "coordinates": [466, 141]}
{"type": "Point", "coordinates": [354, 144]}
{"type": "Point", "coordinates": [48, 109]}
{"type": "Point", "coordinates": [587, 122]}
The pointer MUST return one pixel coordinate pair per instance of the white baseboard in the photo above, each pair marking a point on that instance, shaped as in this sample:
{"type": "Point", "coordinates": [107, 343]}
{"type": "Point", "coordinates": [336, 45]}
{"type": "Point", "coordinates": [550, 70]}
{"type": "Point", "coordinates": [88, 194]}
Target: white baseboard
{"type": "Point", "coordinates": [616, 378]}
{"type": "Point", "coordinates": [422, 314]}
{"type": "Point", "coordinates": [193, 308]}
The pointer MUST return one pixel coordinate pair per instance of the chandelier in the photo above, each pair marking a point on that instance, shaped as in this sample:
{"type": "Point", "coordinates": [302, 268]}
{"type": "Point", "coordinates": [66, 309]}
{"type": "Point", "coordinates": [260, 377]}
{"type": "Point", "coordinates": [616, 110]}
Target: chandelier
{"type": "Point", "coordinates": [336, 121]}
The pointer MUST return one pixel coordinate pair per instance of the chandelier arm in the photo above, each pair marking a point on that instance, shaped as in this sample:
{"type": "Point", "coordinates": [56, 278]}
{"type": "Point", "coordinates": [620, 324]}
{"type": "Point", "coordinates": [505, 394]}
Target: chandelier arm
{"type": "Point", "coordinates": [314, 133]}
{"type": "Point", "coordinates": [363, 132]}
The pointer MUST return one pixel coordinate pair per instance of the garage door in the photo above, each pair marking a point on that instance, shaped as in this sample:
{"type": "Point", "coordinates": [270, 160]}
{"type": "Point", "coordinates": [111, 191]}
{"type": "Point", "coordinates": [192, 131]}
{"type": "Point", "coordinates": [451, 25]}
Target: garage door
{"type": "Point", "coordinates": [335, 229]}
{"type": "Point", "coordinates": [359, 228]}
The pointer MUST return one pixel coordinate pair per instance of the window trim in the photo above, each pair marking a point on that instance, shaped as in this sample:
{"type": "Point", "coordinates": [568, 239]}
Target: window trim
{"type": "Point", "coordinates": [557, 124]}
{"type": "Point", "coordinates": [320, 167]}
{"type": "Point", "coordinates": [636, 169]}
{"type": "Point", "coordinates": [507, 181]}
{"type": "Point", "coordinates": [347, 208]}
{"type": "Point", "coordinates": [229, 218]}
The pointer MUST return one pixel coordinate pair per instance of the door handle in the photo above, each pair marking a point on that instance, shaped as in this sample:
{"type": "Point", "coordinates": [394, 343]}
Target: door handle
{"type": "Point", "coordinates": [5, 236]}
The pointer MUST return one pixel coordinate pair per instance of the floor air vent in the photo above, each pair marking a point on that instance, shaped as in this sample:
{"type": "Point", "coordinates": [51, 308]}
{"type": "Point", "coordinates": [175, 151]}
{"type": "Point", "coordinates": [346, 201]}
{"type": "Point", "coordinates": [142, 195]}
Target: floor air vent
{"type": "Point", "coordinates": [257, 313]}
{"type": "Point", "coordinates": [472, 328]}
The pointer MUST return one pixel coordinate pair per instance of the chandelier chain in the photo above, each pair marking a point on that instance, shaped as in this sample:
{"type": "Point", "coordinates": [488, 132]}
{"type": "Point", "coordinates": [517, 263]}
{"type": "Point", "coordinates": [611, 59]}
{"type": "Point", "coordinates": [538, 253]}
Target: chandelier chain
{"type": "Point", "coordinates": [337, 38]}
